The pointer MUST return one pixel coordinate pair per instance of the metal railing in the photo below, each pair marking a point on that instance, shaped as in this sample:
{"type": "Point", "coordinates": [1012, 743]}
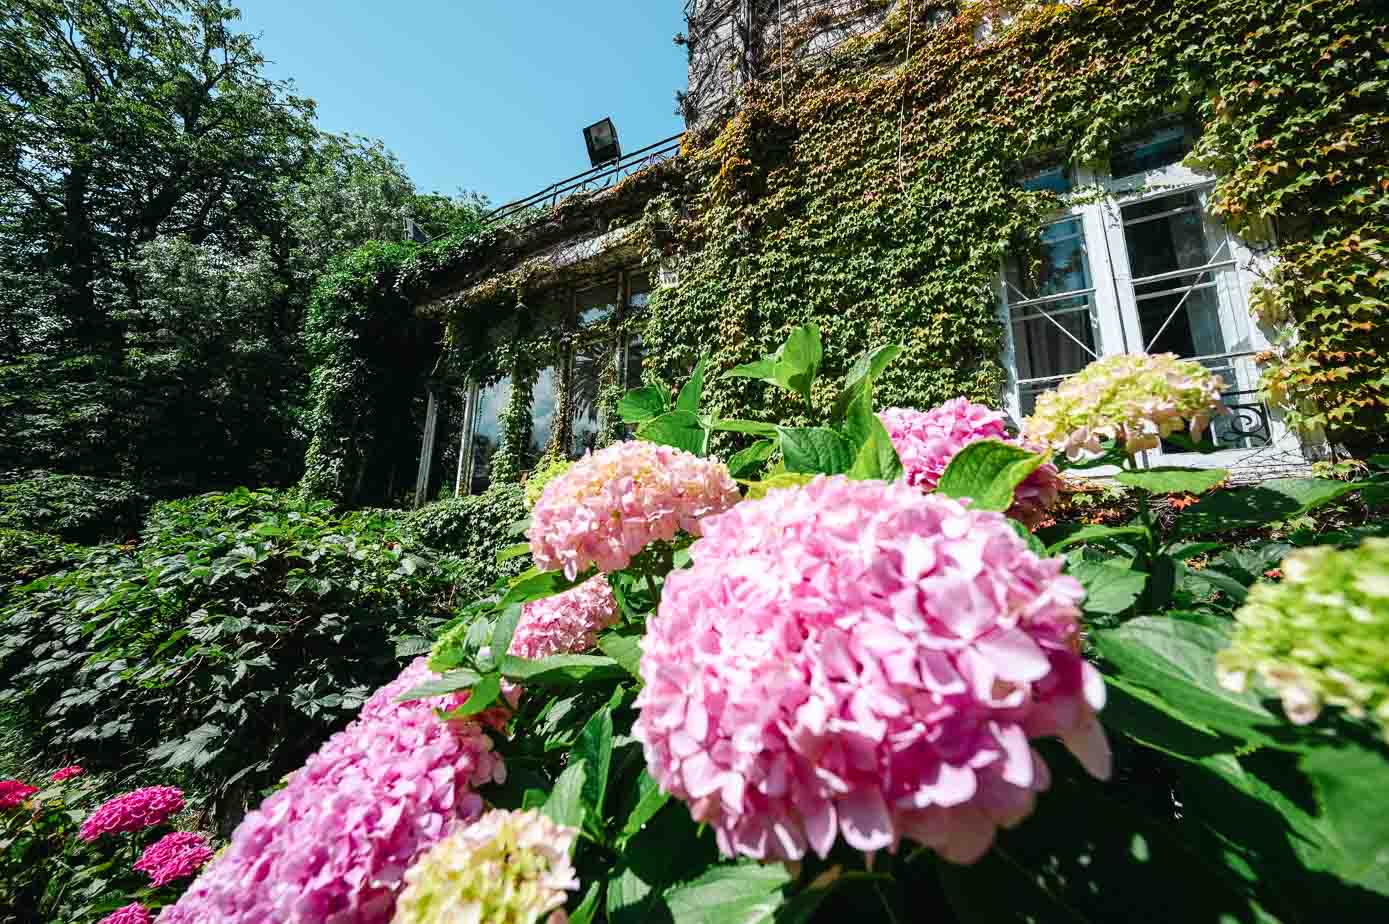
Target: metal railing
{"type": "Point", "coordinates": [600, 177]}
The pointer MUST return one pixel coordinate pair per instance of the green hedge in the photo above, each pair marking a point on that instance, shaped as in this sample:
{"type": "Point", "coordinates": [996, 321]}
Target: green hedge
{"type": "Point", "coordinates": [78, 508]}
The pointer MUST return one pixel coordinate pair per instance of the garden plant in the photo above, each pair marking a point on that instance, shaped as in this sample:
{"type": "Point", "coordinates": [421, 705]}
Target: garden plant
{"type": "Point", "coordinates": [852, 669]}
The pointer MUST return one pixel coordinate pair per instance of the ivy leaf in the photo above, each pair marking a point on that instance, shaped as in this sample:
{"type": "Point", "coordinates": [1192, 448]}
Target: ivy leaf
{"type": "Point", "coordinates": [681, 429]}
{"type": "Point", "coordinates": [642, 404]}
{"type": "Point", "coordinates": [693, 391]}
{"type": "Point", "coordinates": [750, 459]}
{"type": "Point", "coordinates": [988, 472]}
{"type": "Point", "coordinates": [1174, 480]}
{"type": "Point", "coordinates": [1266, 502]}
{"type": "Point", "coordinates": [815, 450]}
{"type": "Point", "coordinates": [1109, 588]}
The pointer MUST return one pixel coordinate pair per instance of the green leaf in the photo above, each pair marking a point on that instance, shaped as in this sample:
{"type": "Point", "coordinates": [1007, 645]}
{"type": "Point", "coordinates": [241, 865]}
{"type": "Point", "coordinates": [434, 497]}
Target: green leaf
{"type": "Point", "coordinates": [877, 458]}
{"type": "Point", "coordinates": [1109, 588]}
{"type": "Point", "coordinates": [761, 369]}
{"type": "Point", "coordinates": [864, 372]}
{"type": "Point", "coordinates": [561, 670]}
{"type": "Point", "coordinates": [649, 800]}
{"type": "Point", "coordinates": [794, 365]}
{"type": "Point", "coordinates": [451, 682]}
{"type": "Point", "coordinates": [482, 695]}
{"type": "Point", "coordinates": [624, 648]}
{"type": "Point", "coordinates": [988, 472]}
{"type": "Point", "coordinates": [751, 459]}
{"type": "Point", "coordinates": [815, 450]}
{"type": "Point", "coordinates": [595, 749]}
{"type": "Point", "coordinates": [1174, 661]}
{"type": "Point", "coordinates": [565, 806]}
{"type": "Point", "coordinates": [1266, 502]}
{"type": "Point", "coordinates": [1034, 545]}
{"type": "Point", "coordinates": [759, 489]}
{"type": "Point", "coordinates": [504, 629]}
{"type": "Point", "coordinates": [753, 427]}
{"type": "Point", "coordinates": [1173, 480]}
{"type": "Point", "coordinates": [641, 404]}
{"type": "Point", "coordinates": [693, 391]}
{"type": "Point", "coordinates": [1352, 783]}
{"type": "Point", "coordinates": [681, 429]}
{"type": "Point", "coordinates": [1095, 534]}
{"type": "Point", "coordinates": [535, 584]}
{"type": "Point", "coordinates": [589, 906]}
{"type": "Point", "coordinates": [513, 551]}
{"type": "Point", "coordinates": [748, 893]}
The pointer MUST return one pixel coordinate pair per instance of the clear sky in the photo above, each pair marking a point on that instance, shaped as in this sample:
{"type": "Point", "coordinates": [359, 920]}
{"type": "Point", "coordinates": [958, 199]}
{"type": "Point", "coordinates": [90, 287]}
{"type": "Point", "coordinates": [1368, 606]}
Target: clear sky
{"type": "Point", "coordinates": [486, 95]}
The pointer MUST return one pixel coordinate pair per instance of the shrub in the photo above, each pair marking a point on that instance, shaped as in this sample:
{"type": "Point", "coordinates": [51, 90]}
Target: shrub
{"type": "Point", "coordinates": [25, 556]}
{"type": "Point", "coordinates": [468, 532]}
{"type": "Point", "coordinates": [242, 630]}
{"type": "Point", "coordinates": [78, 508]}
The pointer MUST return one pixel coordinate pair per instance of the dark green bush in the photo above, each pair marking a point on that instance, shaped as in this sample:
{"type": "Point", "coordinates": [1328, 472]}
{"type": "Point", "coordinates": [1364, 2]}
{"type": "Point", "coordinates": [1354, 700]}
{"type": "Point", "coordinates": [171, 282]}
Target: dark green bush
{"type": "Point", "coordinates": [469, 531]}
{"type": "Point", "coordinates": [79, 508]}
{"type": "Point", "coordinates": [26, 555]}
{"type": "Point", "coordinates": [226, 645]}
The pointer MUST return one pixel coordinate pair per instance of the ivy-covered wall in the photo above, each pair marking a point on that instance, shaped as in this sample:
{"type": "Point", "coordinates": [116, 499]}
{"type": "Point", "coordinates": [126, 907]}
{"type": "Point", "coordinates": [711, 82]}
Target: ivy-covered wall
{"type": "Point", "coordinates": [876, 193]}
{"type": "Point", "coordinates": [878, 196]}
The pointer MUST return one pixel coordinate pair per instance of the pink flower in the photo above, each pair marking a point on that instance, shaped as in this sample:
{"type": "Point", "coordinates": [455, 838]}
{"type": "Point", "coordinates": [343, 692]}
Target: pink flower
{"type": "Point", "coordinates": [612, 503]}
{"type": "Point", "coordinates": [857, 658]}
{"type": "Point", "coordinates": [67, 773]}
{"type": "Point", "coordinates": [14, 793]}
{"type": "Point", "coordinates": [566, 623]}
{"type": "Point", "coordinates": [926, 441]}
{"type": "Point", "coordinates": [334, 844]}
{"type": "Point", "coordinates": [134, 913]}
{"type": "Point", "coordinates": [134, 811]}
{"type": "Point", "coordinates": [174, 856]}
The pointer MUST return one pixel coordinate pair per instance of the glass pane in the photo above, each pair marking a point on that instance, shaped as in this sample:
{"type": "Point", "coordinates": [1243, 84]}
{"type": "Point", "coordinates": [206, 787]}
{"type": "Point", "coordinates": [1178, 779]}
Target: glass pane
{"type": "Point", "coordinates": [487, 431]}
{"type": "Point", "coordinates": [1161, 148]}
{"type": "Point", "coordinates": [596, 305]}
{"type": "Point", "coordinates": [1061, 264]}
{"type": "Point", "coordinates": [1192, 331]}
{"type": "Point", "coordinates": [544, 404]}
{"type": "Point", "coordinates": [1052, 179]}
{"type": "Point", "coordinates": [1165, 234]}
{"type": "Point", "coordinates": [1055, 338]}
{"type": "Point", "coordinates": [636, 363]}
{"type": "Point", "coordinates": [639, 291]}
{"type": "Point", "coordinates": [590, 362]}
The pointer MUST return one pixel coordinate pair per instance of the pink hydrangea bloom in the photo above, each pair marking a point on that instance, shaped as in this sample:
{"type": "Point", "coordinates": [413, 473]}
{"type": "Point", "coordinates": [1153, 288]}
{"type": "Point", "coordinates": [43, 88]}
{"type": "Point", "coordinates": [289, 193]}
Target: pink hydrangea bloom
{"type": "Point", "coordinates": [67, 773]}
{"type": "Point", "coordinates": [566, 623]}
{"type": "Point", "coordinates": [14, 793]}
{"type": "Point", "coordinates": [334, 844]}
{"type": "Point", "coordinates": [174, 856]}
{"type": "Point", "coordinates": [612, 503]}
{"type": "Point", "coordinates": [134, 913]}
{"type": "Point", "coordinates": [926, 441]}
{"type": "Point", "coordinates": [858, 658]}
{"type": "Point", "coordinates": [134, 811]}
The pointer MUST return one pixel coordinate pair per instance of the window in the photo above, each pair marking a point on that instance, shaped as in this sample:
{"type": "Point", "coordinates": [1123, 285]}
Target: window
{"type": "Point", "coordinates": [595, 313]}
{"type": "Point", "coordinates": [1143, 270]}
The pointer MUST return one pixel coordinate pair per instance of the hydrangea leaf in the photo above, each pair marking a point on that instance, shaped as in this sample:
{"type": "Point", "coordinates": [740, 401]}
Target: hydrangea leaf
{"type": "Point", "coordinates": [863, 372]}
{"type": "Point", "coordinates": [747, 893]}
{"type": "Point", "coordinates": [1266, 502]}
{"type": "Point", "coordinates": [1174, 480]}
{"type": "Point", "coordinates": [987, 472]}
{"type": "Point", "coordinates": [595, 749]}
{"type": "Point", "coordinates": [747, 460]}
{"type": "Point", "coordinates": [1095, 534]}
{"type": "Point", "coordinates": [536, 585]}
{"type": "Point", "coordinates": [815, 450]}
{"type": "Point", "coordinates": [693, 392]}
{"type": "Point", "coordinates": [624, 648]}
{"type": "Point", "coordinates": [681, 429]}
{"type": "Point", "coordinates": [561, 670]}
{"type": "Point", "coordinates": [1109, 589]}
{"type": "Point", "coordinates": [565, 805]}
{"type": "Point", "coordinates": [642, 404]}
{"type": "Point", "coordinates": [482, 695]}
{"type": "Point", "coordinates": [451, 682]}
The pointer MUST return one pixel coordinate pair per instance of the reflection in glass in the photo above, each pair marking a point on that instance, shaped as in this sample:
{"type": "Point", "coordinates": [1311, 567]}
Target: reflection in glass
{"type": "Point", "coordinates": [639, 291]}
{"type": "Point", "coordinates": [1177, 314]}
{"type": "Point", "coordinates": [1053, 179]}
{"type": "Point", "coordinates": [597, 304]}
{"type": "Point", "coordinates": [1061, 264]}
{"type": "Point", "coordinates": [591, 360]}
{"type": "Point", "coordinates": [544, 405]}
{"type": "Point", "coordinates": [1160, 149]}
{"type": "Point", "coordinates": [1055, 338]}
{"type": "Point", "coordinates": [487, 432]}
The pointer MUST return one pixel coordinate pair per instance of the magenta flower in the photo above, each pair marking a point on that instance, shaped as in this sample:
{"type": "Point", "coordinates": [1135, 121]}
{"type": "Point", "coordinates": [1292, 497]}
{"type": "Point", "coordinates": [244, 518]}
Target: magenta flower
{"type": "Point", "coordinates": [926, 441]}
{"type": "Point", "coordinates": [14, 793]}
{"type": "Point", "coordinates": [174, 856]}
{"type": "Point", "coordinates": [134, 913]}
{"type": "Point", "coordinates": [856, 658]}
{"type": "Point", "coordinates": [67, 773]}
{"type": "Point", "coordinates": [334, 844]}
{"type": "Point", "coordinates": [134, 811]}
{"type": "Point", "coordinates": [614, 502]}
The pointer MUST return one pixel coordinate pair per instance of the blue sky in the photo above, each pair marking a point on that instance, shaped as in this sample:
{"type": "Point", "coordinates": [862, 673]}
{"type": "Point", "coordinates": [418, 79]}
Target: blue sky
{"type": "Point", "coordinates": [487, 95]}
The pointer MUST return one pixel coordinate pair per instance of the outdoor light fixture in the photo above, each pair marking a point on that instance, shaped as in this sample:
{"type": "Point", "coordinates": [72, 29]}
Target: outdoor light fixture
{"type": "Point", "coordinates": [603, 146]}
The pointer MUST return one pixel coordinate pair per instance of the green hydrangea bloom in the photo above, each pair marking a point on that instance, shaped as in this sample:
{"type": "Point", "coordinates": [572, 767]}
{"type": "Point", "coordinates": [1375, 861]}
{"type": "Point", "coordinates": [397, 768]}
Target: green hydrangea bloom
{"type": "Point", "coordinates": [505, 868]}
{"type": "Point", "coordinates": [545, 472]}
{"type": "Point", "coordinates": [1133, 398]}
{"type": "Point", "coordinates": [1321, 637]}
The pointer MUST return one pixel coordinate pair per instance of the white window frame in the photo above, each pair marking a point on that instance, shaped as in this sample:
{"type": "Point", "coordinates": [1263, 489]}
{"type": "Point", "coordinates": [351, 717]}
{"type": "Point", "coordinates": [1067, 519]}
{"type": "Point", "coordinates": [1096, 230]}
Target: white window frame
{"type": "Point", "coordinates": [1116, 317]}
